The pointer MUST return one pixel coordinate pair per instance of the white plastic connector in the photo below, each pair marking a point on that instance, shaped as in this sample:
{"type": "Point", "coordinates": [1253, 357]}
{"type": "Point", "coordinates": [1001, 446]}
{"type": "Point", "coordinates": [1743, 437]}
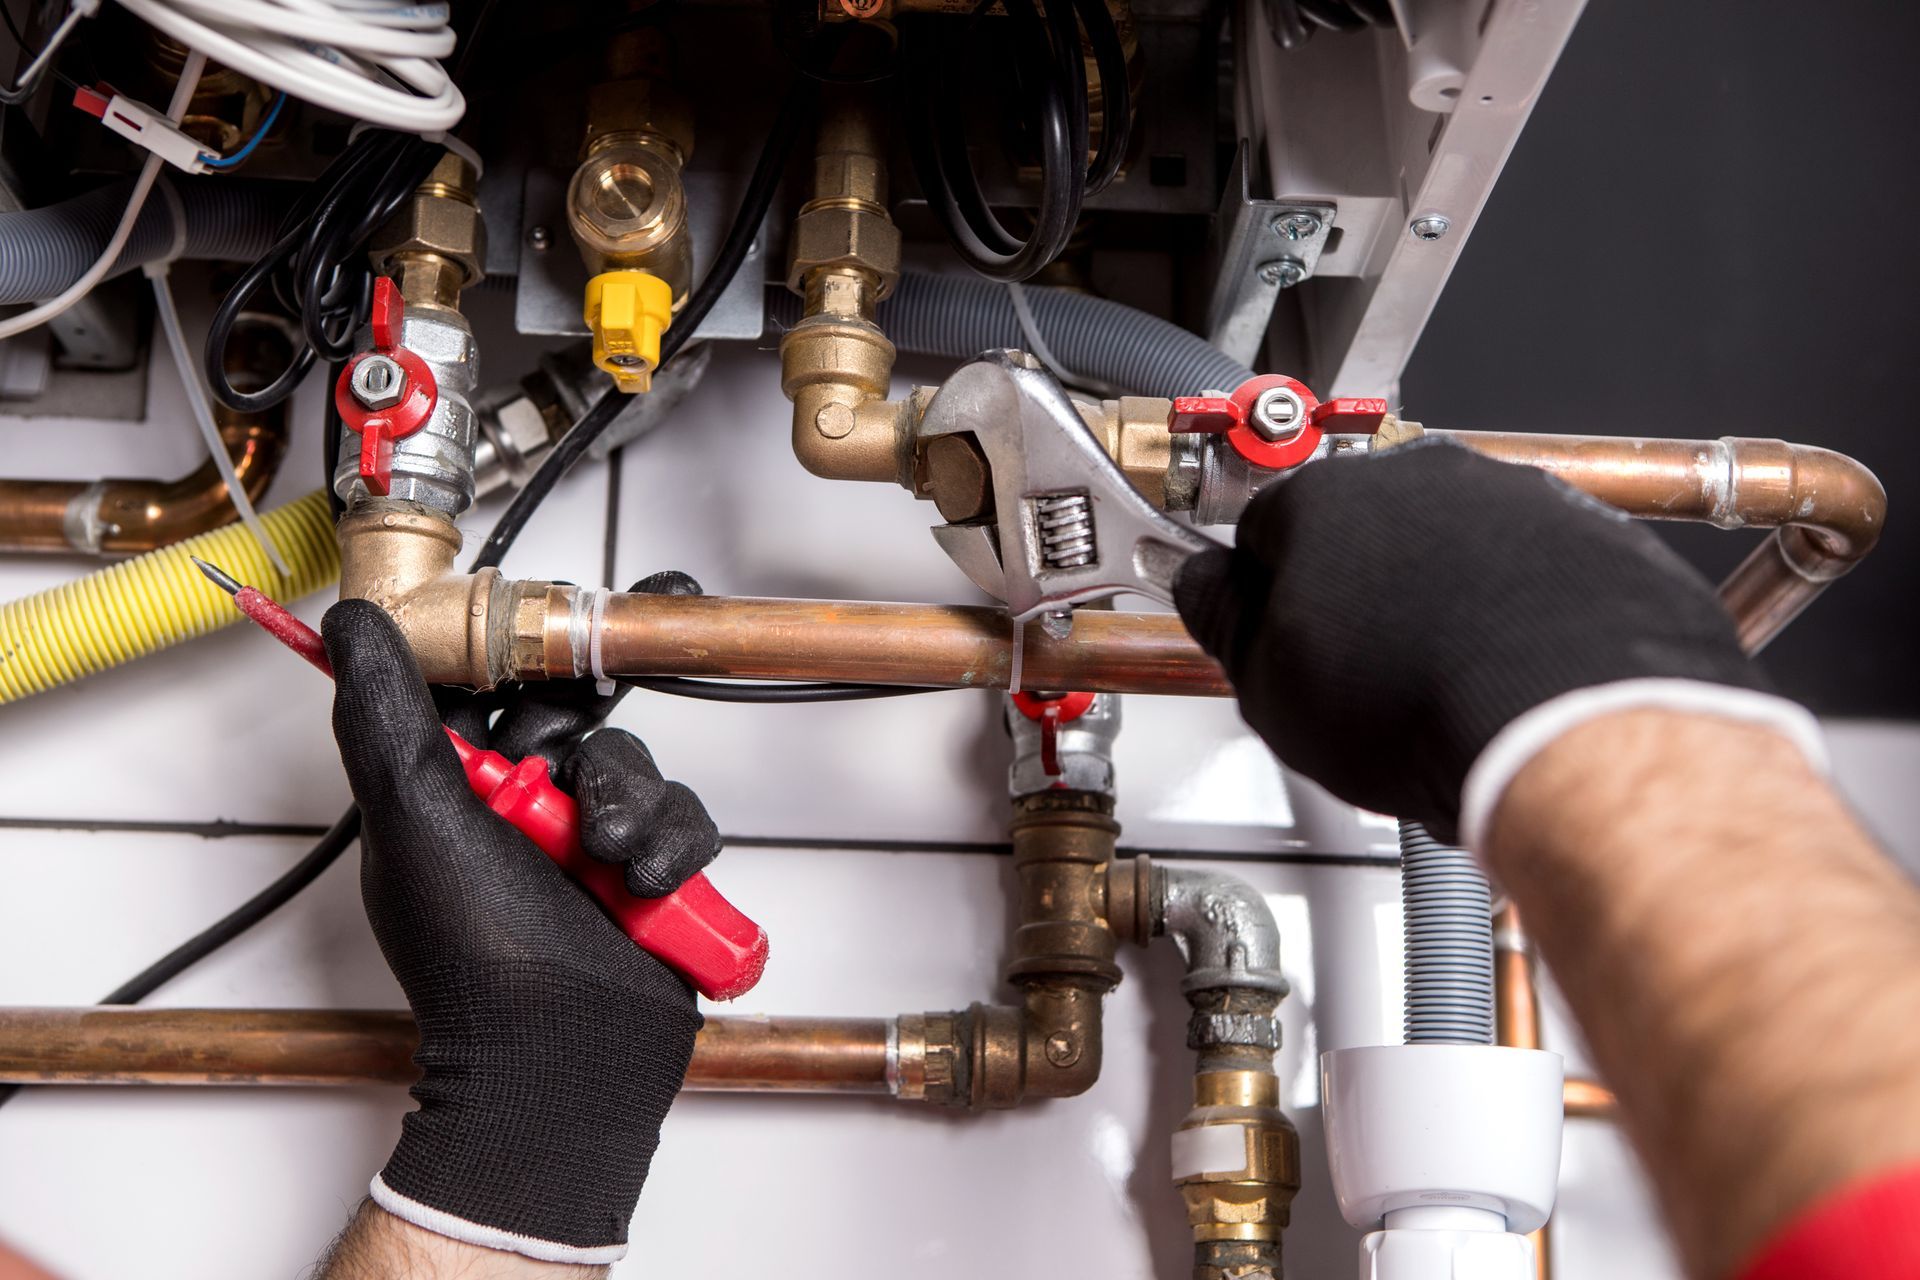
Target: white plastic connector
{"type": "Point", "coordinates": [1447, 1154]}
{"type": "Point", "coordinates": [145, 128]}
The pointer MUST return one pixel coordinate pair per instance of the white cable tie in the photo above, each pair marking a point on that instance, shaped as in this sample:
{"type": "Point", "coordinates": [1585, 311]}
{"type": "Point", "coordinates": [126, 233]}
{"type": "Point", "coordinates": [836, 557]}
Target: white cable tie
{"type": "Point", "coordinates": [1030, 331]}
{"type": "Point", "coordinates": [198, 401]}
{"type": "Point", "coordinates": [595, 629]}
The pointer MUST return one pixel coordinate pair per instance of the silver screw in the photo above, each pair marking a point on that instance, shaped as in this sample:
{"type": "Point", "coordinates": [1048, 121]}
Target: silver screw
{"type": "Point", "coordinates": [1285, 272]}
{"type": "Point", "coordinates": [539, 239]}
{"type": "Point", "coordinates": [1057, 624]}
{"type": "Point", "coordinates": [1430, 226]}
{"type": "Point", "coordinates": [378, 382]}
{"type": "Point", "coordinates": [1299, 225]}
{"type": "Point", "coordinates": [626, 361]}
{"type": "Point", "coordinates": [1278, 415]}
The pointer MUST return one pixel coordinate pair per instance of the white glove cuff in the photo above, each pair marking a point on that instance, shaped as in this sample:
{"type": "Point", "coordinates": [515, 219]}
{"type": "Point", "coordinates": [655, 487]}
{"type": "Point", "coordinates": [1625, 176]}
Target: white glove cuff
{"type": "Point", "coordinates": [1523, 739]}
{"type": "Point", "coordinates": [442, 1223]}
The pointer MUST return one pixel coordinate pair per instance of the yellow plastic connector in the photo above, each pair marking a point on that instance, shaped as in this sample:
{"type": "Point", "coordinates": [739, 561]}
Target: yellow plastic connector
{"type": "Point", "coordinates": [628, 311]}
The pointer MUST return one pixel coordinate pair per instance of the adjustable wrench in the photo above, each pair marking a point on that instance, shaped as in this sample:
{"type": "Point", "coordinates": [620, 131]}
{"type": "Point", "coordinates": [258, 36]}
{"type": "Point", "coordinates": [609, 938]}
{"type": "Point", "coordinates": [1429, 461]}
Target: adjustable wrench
{"type": "Point", "coordinates": [1067, 526]}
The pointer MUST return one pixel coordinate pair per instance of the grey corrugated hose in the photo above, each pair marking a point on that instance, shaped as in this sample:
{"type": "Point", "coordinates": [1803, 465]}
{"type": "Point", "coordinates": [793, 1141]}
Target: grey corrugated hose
{"type": "Point", "coordinates": [1448, 921]}
{"type": "Point", "coordinates": [961, 316]}
{"type": "Point", "coordinates": [44, 250]}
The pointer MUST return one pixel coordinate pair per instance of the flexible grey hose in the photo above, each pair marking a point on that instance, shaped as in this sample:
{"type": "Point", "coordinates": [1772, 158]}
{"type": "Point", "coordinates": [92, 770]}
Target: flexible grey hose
{"type": "Point", "coordinates": [42, 251]}
{"type": "Point", "coordinates": [1448, 920]}
{"type": "Point", "coordinates": [961, 316]}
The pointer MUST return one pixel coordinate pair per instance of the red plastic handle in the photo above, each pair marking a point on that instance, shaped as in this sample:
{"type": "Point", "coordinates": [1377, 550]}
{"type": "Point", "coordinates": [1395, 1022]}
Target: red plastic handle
{"type": "Point", "coordinates": [694, 929]}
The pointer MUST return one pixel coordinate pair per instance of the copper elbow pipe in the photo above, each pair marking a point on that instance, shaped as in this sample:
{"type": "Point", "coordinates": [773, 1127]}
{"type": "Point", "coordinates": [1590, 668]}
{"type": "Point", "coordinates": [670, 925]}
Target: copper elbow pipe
{"type": "Point", "coordinates": [1827, 508]}
{"type": "Point", "coordinates": [130, 516]}
{"type": "Point", "coordinates": [342, 1046]}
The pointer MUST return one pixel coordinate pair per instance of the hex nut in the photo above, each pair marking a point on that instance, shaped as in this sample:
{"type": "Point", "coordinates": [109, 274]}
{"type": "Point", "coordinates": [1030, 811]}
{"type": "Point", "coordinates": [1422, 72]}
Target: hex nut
{"type": "Point", "coordinates": [959, 479]}
{"type": "Point", "coordinates": [443, 225]}
{"type": "Point", "coordinates": [378, 382]}
{"type": "Point", "coordinates": [841, 237]}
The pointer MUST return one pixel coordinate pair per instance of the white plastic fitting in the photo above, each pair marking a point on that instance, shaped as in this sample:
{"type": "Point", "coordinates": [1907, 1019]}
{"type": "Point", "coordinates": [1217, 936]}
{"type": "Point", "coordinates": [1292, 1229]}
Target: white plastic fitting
{"type": "Point", "coordinates": [1447, 1154]}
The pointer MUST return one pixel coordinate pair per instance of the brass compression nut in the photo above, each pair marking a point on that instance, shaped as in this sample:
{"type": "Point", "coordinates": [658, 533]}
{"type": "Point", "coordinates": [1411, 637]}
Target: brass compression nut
{"type": "Point", "coordinates": [1239, 1179]}
{"type": "Point", "coordinates": [440, 220]}
{"type": "Point", "coordinates": [845, 236]}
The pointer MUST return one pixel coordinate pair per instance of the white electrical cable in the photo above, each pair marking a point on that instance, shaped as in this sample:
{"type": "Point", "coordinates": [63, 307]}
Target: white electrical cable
{"type": "Point", "coordinates": [142, 187]}
{"type": "Point", "coordinates": [375, 60]}
{"type": "Point", "coordinates": [202, 406]}
{"type": "Point", "coordinates": [79, 9]}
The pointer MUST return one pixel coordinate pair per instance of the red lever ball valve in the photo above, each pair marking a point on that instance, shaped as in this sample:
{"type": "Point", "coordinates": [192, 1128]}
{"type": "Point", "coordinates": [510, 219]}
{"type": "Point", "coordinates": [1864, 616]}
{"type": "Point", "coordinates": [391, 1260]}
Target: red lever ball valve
{"type": "Point", "coordinates": [1274, 421]}
{"type": "Point", "coordinates": [385, 393]}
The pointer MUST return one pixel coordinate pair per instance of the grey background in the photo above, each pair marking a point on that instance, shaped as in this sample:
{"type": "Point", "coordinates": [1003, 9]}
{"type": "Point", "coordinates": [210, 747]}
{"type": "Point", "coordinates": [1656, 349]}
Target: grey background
{"type": "Point", "coordinates": [1711, 226]}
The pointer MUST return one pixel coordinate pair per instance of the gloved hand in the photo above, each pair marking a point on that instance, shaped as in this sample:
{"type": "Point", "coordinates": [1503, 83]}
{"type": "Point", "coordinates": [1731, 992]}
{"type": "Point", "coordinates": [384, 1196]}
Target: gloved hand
{"type": "Point", "coordinates": [550, 1045]}
{"type": "Point", "coordinates": [1393, 624]}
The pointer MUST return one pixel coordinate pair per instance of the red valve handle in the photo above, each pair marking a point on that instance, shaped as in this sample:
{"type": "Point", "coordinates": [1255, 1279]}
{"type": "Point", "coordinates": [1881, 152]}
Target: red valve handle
{"type": "Point", "coordinates": [1227, 415]}
{"type": "Point", "coordinates": [694, 930]}
{"type": "Point", "coordinates": [379, 428]}
{"type": "Point", "coordinates": [1050, 714]}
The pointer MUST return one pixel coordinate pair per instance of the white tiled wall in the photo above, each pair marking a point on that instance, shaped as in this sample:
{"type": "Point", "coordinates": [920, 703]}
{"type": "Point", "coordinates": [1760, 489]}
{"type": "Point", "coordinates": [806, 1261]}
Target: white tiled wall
{"type": "Point", "coordinates": [232, 1184]}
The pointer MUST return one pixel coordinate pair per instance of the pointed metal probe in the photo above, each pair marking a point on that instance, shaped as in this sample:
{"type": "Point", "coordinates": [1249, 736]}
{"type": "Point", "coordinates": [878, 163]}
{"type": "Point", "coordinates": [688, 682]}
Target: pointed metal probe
{"type": "Point", "coordinates": [217, 576]}
{"type": "Point", "coordinates": [273, 619]}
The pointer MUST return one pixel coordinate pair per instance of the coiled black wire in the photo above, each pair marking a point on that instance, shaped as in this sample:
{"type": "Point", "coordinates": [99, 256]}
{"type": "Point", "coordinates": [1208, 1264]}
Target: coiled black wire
{"type": "Point", "coordinates": [1048, 66]}
{"type": "Point", "coordinates": [317, 267]}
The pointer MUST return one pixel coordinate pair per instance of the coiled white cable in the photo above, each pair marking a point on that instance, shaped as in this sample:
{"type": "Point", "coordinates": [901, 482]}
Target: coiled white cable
{"type": "Point", "coordinates": [375, 60]}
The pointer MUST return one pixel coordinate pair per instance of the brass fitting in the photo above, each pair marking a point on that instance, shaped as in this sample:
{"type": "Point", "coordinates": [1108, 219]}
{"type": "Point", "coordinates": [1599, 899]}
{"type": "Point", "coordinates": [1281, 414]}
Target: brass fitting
{"type": "Point", "coordinates": [990, 1057]}
{"type": "Point", "coordinates": [435, 243]}
{"type": "Point", "coordinates": [1133, 431]}
{"type": "Point", "coordinates": [835, 364]}
{"type": "Point", "coordinates": [1237, 1165]}
{"type": "Point", "coordinates": [627, 210]}
{"type": "Point", "coordinates": [400, 555]}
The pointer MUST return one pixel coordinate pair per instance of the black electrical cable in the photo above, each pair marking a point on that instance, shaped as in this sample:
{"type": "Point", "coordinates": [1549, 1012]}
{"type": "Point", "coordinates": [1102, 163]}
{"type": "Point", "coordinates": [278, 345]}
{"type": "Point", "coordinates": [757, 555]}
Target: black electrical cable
{"type": "Point", "coordinates": [317, 267]}
{"type": "Point", "coordinates": [1047, 62]}
{"type": "Point", "coordinates": [753, 692]}
{"type": "Point", "coordinates": [795, 112]}
{"type": "Point", "coordinates": [14, 95]}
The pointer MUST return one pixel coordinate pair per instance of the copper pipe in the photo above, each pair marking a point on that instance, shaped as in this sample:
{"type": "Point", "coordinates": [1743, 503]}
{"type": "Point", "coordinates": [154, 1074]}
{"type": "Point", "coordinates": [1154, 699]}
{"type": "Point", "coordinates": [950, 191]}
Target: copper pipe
{"type": "Point", "coordinates": [1827, 508]}
{"type": "Point", "coordinates": [328, 1046]}
{"type": "Point", "coordinates": [1516, 1016]}
{"type": "Point", "coordinates": [1588, 1100]}
{"type": "Point", "coordinates": [946, 646]}
{"type": "Point", "coordinates": [131, 516]}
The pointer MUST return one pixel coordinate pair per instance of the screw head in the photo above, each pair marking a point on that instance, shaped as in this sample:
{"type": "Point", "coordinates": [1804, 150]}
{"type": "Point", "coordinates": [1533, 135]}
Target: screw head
{"type": "Point", "coordinates": [1429, 226]}
{"type": "Point", "coordinates": [378, 382]}
{"type": "Point", "coordinates": [539, 239]}
{"type": "Point", "coordinates": [860, 8]}
{"type": "Point", "coordinates": [1057, 624]}
{"type": "Point", "coordinates": [1299, 225]}
{"type": "Point", "coordinates": [1278, 415]}
{"type": "Point", "coordinates": [1063, 1050]}
{"type": "Point", "coordinates": [1285, 272]}
{"type": "Point", "coordinates": [627, 360]}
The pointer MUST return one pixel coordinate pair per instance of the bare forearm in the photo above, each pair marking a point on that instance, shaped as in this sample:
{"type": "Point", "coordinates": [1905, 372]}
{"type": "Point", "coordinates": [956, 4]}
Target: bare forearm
{"type": "Point", "coordinates": [1744, 961]}
{"type": "Point", "coordinates": [378, 1246]}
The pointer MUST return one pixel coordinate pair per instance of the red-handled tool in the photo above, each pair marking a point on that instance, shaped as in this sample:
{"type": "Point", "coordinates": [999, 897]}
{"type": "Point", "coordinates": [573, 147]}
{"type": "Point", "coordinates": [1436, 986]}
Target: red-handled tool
{"type": "Point", "coordinates": [694, 929]}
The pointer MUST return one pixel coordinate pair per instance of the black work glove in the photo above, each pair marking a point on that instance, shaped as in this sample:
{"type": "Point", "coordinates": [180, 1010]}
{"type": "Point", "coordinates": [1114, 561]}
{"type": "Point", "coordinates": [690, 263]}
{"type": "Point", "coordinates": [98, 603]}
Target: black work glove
{"type": "Point", "coordinates": [1384, 620]}
{"type": "Point", "coordinates": [550, 1045]}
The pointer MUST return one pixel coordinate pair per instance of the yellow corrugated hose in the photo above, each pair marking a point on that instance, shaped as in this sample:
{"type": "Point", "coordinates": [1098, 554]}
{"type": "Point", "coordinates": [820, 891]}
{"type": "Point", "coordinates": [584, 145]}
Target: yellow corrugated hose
{"type": "Point", "coordinates": [157, 600]}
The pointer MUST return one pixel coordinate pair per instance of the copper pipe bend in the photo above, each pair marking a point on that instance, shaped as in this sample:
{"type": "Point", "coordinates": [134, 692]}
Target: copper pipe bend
{"type": "Point", "coordinates": [119, 517]}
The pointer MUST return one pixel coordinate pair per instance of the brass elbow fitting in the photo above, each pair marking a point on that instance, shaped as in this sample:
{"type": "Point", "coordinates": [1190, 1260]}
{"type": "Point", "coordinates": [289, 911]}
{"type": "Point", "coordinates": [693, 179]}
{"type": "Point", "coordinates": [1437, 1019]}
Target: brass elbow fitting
{"type": "Point", "coordinates": [400, 555]}
{"type": "Point", "coordinates": [836, 364]}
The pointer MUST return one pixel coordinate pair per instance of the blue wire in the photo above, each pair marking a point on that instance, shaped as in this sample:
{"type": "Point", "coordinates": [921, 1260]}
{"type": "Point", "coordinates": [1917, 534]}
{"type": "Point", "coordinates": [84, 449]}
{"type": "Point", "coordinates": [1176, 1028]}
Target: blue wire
{"type": "Point", "coordinates": [246, 149]}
